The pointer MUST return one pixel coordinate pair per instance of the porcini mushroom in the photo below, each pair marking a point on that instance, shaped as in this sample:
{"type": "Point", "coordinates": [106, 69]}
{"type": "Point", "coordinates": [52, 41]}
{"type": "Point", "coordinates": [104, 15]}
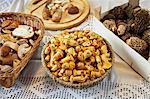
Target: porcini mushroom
{"type": "Point", "coordinates": [23, 49]}
{"type": "Point", "coordinates": [23, 31]}
{"type": "Point", "coordinates": [12, 45]}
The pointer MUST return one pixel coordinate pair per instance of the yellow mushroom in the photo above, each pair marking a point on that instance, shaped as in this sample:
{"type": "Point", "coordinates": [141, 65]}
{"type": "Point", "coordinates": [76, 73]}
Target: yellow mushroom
{"type": "Point", "coordinates": [68, 72]}
{"type": "Point", "coordinates": [65, 65]}
{"type": "Point", "coordinates": [80, 65]}
{"type": "Point", "coordinates": [89, 67]}
{"type": "Point", "coordinates": [59, 54]}
{"type": "Point", "coordinates": [67, 58]}
{"type": "Point", "coordinates": [104, 49]}
{"type": "Point", "coordinates": [87, 54]}
{"type": "Point", "coordinates": [72, 42]}
{"type": "Point", "coordinates": [55, 67]}
{"type": "Point", "coordinates": [77, 72]}
{"type": "Point", "coordinates": [81, 56]}
{"type": "Point", "coordinates": [71, 51]}
{"type": "Point", "coordinates": [71, 65]}
{"type": "Point", "coordinates": [79, 79]}
{"type": "Point", "coordinates": [65, 78]}
{"type": "Point", "coordinates": [47, 50]}
{"type": "Point", "coordinates": [98, 59]}
{"type": "Point", "coordinates": [96, 74]}
{"type": "Point", "coordinates": [78, 48]}
{"type": "Point", "coordinates": [47, 58]}
{"type": "Point", "coordinates": [61, 72]}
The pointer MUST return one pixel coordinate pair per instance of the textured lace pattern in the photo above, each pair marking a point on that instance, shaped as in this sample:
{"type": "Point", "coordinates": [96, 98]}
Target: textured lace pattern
{"type": "Point", "coordinates": [4, 5]}
{"type": "Point", "coordinates": [34, 83]}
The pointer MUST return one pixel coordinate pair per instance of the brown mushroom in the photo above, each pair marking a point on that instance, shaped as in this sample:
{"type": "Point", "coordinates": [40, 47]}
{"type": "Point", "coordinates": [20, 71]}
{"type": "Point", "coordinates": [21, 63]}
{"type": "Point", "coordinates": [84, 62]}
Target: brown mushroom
{"type": "Point", "coordinates": [12, 45]}
{"type": "Point", "coordinates": [4, 51]}
{"type": "Point", "coordinates": [56, 17]}
{"type": "Point", "coordinates": [121, 28]}
{"type": "Point", "coordinates": [138, 44]}
{"type": "Point", "coordinates": [8, 60]}
{"type": "Point", "coordinates": [5, 68]}
{"type": "Point", "coordinates": [73, 10]}
{"type": "Point", "coordinates": [146, 36]}
{"type": "Point", "coordinates": [110, 24]}
{"type": "Point", "coordinates": [23, 49]}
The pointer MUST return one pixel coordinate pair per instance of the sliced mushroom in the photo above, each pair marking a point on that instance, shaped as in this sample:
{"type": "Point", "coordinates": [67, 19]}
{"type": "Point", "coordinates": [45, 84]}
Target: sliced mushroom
{"type": "Point", "coordinates": [4, 51]}
{"type": "Point", "coordinates": [6, 31]}
{"type": "Point", "coordinates": [5, 68]}
{"type": "Point", "coordinates": [31, 41]}
{"type": "Point", "coordinates": [23, 31]}
{"type": "Point", "coordinates": [22, 41]}
{"type": "Point", "coordinates": [38, 32]}
{"type": "Point", "coordinates": [8, 37]}
{"type": "Point", "coordinates": [23, 49]}
{"type": "Point", "coordinates": [8, 60]}
{"type": "Point", "coordinates": [12, 45]}
{"type": "Point", "coordinates": [56, 17]}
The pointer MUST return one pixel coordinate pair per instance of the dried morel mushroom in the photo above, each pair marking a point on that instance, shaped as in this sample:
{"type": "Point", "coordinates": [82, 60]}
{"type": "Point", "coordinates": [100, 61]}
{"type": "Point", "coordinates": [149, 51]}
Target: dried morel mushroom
{"type": "Point", "coordinates": [121, 27]}
{"type": "Point", "coordinates": [138, 44]}
{"type": "Point", "coordinates": [146, 36]}
{"type": "Point", "coordinates": [118, 12]}
{"type": "Point", "coordinates": [126, 36]}
{"type": "Point", "coordinates": [110, 24]}
{"type": "Point", "coordinates": [140, 22]}
{"type": "Point", "coordinates": [108, 16]}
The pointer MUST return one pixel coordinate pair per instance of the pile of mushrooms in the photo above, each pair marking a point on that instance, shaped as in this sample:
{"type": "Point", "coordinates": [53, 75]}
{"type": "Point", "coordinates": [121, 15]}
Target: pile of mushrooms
{"type": "Point", "coordinates": [55, 8]}
{"type": "Point", "coordinates": [16, 41]}
{"type": "Point", "coordinates": [131, 25]}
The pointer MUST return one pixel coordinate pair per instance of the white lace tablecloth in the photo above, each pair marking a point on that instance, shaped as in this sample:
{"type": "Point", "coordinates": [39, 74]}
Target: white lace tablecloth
{"type": "Point", "coordinates": [33, 83]}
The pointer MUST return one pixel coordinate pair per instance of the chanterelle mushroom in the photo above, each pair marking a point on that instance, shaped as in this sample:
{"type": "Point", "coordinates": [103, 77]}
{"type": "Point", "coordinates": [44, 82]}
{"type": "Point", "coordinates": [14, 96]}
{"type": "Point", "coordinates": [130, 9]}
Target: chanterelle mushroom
{"type": "Point", "coordinates": [23, 49]}
{"type": "Point", "coordinates": [23, 31]}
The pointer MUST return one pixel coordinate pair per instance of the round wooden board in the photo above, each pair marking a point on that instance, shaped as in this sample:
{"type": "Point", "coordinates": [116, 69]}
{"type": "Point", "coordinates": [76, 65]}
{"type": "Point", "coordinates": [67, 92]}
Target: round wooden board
{"type": "Point", "coordinates": [38, 9]}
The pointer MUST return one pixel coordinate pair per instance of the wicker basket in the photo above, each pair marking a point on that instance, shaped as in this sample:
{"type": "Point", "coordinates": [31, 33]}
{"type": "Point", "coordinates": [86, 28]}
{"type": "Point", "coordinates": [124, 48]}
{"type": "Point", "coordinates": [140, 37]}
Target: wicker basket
{"type": "Point", "coordinates": [81, 85]}
{"type": "Point", "coordinates": [8, 79]}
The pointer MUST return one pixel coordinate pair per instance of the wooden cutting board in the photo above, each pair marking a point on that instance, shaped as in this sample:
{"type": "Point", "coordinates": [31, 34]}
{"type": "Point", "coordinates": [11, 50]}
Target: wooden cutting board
{"type": "Point", "coordinates": [67, 20]}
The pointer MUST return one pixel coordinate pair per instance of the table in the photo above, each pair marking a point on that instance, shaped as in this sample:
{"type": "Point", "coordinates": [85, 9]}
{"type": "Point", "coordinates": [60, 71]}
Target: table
{"type": "Point", "coordinates": [33, 83]}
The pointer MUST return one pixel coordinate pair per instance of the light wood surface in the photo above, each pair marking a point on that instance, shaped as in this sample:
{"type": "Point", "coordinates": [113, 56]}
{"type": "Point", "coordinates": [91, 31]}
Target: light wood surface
{"type": "Point", "coordinates": [67, 21]}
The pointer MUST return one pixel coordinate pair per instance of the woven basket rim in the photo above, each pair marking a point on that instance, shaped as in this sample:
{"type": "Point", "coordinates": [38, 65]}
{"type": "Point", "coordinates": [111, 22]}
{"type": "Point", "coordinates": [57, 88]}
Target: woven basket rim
{"type": "Point", "coordinates": [80, 85]}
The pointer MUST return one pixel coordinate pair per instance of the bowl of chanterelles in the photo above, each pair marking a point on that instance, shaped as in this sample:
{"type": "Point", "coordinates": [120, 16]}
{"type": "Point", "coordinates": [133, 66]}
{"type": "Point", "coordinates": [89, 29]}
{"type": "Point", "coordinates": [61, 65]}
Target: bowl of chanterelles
{"type": "Point", "coordinates": [78, 58]}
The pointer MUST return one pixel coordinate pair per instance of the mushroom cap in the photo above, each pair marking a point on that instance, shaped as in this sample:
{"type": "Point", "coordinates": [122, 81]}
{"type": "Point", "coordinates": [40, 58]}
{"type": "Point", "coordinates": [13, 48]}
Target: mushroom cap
{"type": "Point", "coordinates": [23, 31]}
{"type": "Point", "coordinates": [122, 26]}
{"type": "Point", "coordinates": [118, 12]}
{"type": "Point", "coordinates": [4, 51]}
{"type": "Point", "coordinates": [138, 44]}
{"type": "Point", "coordinates": [146, 36]}
{"type": "Point", "coordinates": [140, 22]}
{"type": "Point", "coordinates": [110, 24]}
{"type": "Point", "coordinates": [12, 45]}
{"type": "Point", "coordinates": [5, 68]}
